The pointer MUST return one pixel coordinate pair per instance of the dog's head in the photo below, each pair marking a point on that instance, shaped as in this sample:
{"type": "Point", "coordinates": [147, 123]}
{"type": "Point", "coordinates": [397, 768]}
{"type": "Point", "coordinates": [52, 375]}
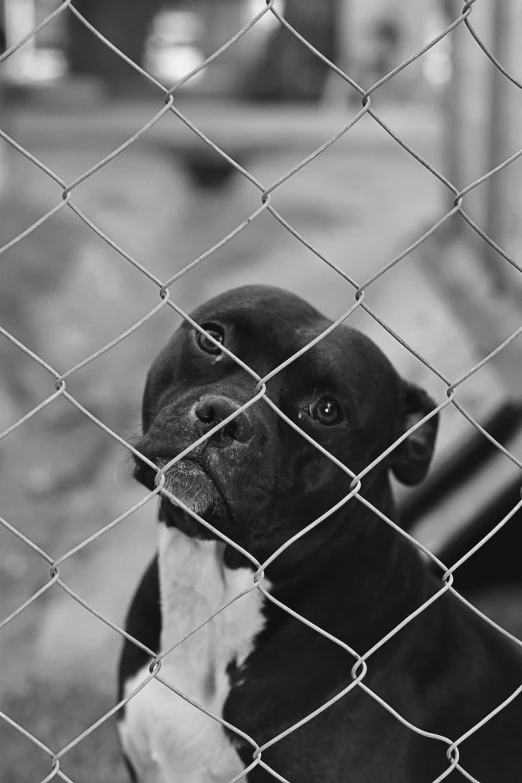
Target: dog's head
{"type": "Point", "coordinates": [257, 477]}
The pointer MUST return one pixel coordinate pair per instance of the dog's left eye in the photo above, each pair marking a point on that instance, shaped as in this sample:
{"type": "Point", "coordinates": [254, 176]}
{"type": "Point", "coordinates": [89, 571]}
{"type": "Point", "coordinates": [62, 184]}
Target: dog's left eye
{"type": "Point", "coordinates": [202, 341]}
{"type": "Point", "coordinates": [326, 410]}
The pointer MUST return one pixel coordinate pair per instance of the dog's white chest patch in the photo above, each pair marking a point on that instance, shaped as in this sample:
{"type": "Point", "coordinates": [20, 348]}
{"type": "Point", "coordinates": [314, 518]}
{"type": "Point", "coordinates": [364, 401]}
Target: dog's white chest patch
{"type": "Point", "coordinates": [167, 739]}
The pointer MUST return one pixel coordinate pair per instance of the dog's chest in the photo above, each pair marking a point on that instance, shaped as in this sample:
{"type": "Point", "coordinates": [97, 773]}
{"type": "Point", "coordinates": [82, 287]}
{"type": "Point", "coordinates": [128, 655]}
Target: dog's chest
{"type": "Point", "coordinates": [167, 739]}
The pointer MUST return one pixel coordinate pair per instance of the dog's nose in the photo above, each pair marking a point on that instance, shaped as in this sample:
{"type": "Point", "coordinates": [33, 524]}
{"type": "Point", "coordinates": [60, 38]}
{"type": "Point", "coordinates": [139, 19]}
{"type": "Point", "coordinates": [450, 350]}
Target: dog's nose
{"type": "Point", "coordinates": [211, 410]}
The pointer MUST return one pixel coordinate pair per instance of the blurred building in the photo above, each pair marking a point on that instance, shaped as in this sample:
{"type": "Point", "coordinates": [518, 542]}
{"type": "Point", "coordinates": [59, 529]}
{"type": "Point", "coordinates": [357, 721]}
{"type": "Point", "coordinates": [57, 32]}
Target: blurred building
{"type": "Point", "coordinates": [172, 37]}
{"type": "Point", "coordinates": [40, 59]}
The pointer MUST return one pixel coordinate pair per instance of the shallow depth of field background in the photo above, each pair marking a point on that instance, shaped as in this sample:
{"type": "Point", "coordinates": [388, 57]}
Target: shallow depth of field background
{"type": "Point", "coordinates": [65, 293]}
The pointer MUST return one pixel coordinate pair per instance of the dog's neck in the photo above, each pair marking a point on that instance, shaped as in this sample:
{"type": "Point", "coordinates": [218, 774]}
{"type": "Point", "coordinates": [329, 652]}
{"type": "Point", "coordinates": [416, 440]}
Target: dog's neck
{"type": "Point", "coordinates": [355, 555]}
{"type": "Point", "coordinates": [358, 560]}
{"type": "Point", "coordinates": [352, 531]}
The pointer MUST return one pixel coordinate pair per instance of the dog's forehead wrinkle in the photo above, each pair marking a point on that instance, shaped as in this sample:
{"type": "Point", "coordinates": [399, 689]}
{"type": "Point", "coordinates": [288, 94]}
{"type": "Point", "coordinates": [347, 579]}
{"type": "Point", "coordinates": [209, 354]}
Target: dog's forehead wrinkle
{"type": "Point", "coordinates": [276, 317]}
{"type": "Point", "coordinates": [345, 357]}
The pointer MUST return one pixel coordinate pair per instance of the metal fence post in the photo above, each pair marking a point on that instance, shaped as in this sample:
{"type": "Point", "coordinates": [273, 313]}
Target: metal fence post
{"type": "Point", "coordinates": [498, 138]}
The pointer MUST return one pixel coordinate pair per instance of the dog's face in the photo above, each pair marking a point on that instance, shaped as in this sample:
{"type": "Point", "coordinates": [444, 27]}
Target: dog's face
{"type": "Point", "coordinates": [257, 477]}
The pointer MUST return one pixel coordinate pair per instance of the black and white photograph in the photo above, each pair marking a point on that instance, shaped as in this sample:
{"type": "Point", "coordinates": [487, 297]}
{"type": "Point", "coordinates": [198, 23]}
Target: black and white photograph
{"type": "Point", "coordinates": [260, 391]}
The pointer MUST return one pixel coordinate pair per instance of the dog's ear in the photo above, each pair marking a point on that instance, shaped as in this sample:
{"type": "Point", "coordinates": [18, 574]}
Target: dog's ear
{"type": "Point", "coordinates": [148, 407]}
{"type": "Point", "coordinates": [411, 459]}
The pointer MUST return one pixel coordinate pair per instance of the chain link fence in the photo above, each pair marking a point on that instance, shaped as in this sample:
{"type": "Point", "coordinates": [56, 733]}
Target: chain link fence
{"type": "Point", "coordinates": [166, 289]}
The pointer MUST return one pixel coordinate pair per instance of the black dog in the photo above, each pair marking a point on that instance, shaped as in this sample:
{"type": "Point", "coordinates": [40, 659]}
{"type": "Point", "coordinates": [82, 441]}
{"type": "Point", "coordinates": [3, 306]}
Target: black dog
{"type": "Point", "coordinates": [259, 482]}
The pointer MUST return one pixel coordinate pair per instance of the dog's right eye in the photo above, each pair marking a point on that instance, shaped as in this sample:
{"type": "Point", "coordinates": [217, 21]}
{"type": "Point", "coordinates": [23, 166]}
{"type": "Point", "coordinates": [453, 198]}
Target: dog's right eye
{"type": "Point", "coordinates": [327, 411]}
{"type": "Point", "coordinates": [202, 341]}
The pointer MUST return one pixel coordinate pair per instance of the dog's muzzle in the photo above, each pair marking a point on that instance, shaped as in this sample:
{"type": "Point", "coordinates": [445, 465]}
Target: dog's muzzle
{"type": "Point", "coordinates": [212, 410]}
{"type": "Point", "coordinates": [208, 478]}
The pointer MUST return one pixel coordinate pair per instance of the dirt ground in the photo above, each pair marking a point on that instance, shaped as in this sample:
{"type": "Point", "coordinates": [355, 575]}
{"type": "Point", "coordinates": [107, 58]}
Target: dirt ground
{"type": "Point", "coordinates": [65, 294]}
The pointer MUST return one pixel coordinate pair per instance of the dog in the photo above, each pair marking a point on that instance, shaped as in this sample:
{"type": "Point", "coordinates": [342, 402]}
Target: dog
{"type": "Point", "coordinates": [258, 481]}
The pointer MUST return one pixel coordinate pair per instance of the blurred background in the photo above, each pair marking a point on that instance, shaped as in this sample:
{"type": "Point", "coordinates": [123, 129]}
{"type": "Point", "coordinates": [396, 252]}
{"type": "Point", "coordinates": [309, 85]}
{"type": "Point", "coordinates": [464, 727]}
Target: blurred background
{"type": "Point", "coordinates": [268, 102]}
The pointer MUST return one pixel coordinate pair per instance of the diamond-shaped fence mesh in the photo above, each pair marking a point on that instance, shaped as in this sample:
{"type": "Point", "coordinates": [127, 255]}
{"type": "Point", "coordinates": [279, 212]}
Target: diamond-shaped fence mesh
{"type": "Point", "coordinates": [360, 660]}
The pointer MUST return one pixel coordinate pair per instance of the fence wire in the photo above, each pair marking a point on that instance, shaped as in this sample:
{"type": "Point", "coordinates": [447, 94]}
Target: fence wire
{"type": "Point", "coordinates": [166, 104]}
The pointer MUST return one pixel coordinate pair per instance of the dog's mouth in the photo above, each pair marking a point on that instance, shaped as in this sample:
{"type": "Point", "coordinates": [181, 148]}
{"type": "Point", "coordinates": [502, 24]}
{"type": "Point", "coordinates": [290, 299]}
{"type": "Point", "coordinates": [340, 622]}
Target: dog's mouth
{"type": "Point", "coordinates": [189, 483]}
{"type": "Point", "coordinates": [207, 494]}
